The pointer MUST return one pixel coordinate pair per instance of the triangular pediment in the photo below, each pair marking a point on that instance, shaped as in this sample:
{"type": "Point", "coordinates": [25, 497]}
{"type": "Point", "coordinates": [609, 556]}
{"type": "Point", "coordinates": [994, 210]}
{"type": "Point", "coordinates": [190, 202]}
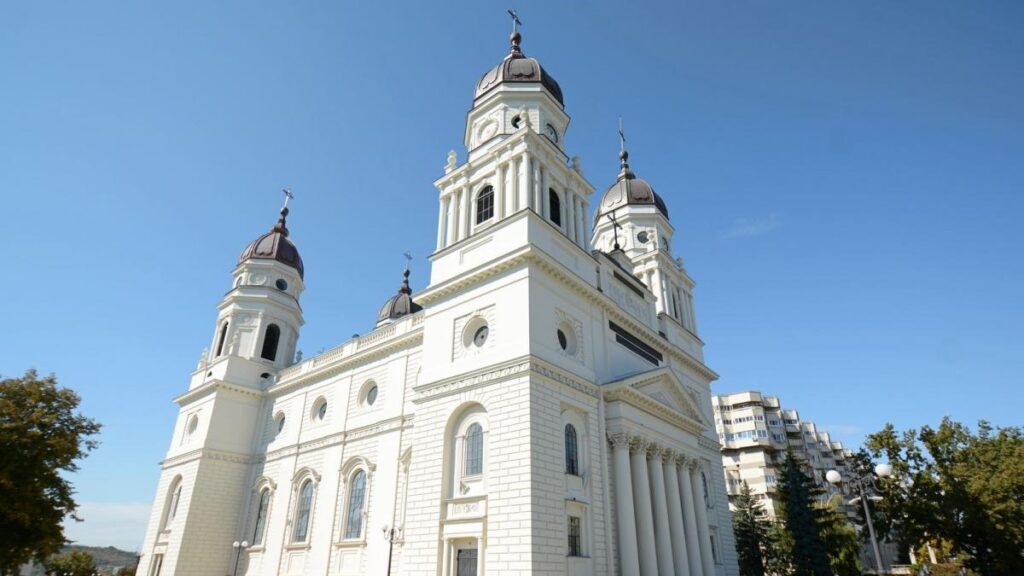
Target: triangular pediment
{"type": "Point", "coordinates": [663, 387]}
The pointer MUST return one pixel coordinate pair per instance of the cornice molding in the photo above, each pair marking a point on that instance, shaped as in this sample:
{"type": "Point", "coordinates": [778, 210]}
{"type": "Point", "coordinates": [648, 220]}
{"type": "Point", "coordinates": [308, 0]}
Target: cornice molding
{"type": "Point", "coordinates": [648, 404]}
{"type": "Point", "coordinates": [471, 380]}
{"type": "Point", "coordinates": [407, 340]}
{"type": "Point", "coordinates": [207, 454]}
{"type": "Point", "coordinates": [338, 438]}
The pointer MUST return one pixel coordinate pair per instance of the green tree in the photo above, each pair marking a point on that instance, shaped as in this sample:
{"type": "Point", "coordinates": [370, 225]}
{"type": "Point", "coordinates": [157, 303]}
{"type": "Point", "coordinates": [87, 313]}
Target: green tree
{"type": "Point", "coordinates": [962, 487]}
{"type": "Point", "coordinates": [74, 563]}
{"type": "Point", "coordinates": [752, 531]}
{"type": "Point", "coordinates": [803, 519]}
{"type": "Point", "coordinates": [842, 541]}
{"type": "Point", "coordinates": [41, 436]}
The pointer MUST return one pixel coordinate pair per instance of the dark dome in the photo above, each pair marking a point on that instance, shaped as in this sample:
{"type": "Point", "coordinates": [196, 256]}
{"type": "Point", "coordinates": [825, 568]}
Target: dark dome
{"type": "Point", "coordinates": [400, 304]}
{"type": "Point", "coordinates": [517, 68]}
{"type": "Point", "coordinates": [275, 245]}
{"type": "Point", "coordinates": [629, 189]}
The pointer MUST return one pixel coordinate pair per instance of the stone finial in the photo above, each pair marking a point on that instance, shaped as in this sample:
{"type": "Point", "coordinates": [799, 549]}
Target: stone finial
{"type": "Point", "coordinates": [524, 117]}
{"type": "Point", "coordinates": [576, 165]}
{"type": "Point", "coordinates": [203, 356]}
{"type": "Point", "coordinates": [298, 356]}
{"type": "Point", "coordinates": [453, 160]}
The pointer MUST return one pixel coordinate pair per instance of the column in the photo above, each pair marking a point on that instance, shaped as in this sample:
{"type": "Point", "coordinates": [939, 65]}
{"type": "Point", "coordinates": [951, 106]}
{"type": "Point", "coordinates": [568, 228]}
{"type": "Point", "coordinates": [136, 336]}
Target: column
{"type": "Point", "coordinates": [642, 503]}
{"type": "Point", "coordinates": [586, 237]}
{"type": "Point", "coordinates": [538, 193]}
{"type": "Point", "coordinates": [466, 217]}
{"type": "Point", "coordinates": [499, 199]}
{"type": "Point", "coordinates": [542, 192]}
{"type": "Point", "coordinates": [629, 559]}
{"type": "Point", "coordinates": [690, 521]}
{"type": "Point", "coordinates": [702, 518]}
{"type": "Point", "coordinates": [440, 223]}
{"type": "Point", "coordinates": [526, 187]}
{"type": "Point", "coordinates": [570, 215]}
{"type": "Point", "coordinates": [451, 219]}
{"type": "Point", "coordinates": [514, 165]}
{"type": "Point", "coordinates": [662, 531]}
{"type": "Point", "coordinates": [675, 516]}
{"type": "Point", "coordinates": [581, 222]}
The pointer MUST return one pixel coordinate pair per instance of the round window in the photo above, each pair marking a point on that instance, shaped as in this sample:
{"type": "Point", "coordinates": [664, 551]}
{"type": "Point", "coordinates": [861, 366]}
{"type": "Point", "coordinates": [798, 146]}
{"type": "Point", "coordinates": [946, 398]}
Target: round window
{"type": "Point", "coordinates": [320, 409]}
{"type": "Point", "coordinates": [515, 122]}
{"type": "Point", "coordinates": [566, 338]}
{"type": "Point", "coordinates": [193, 423]}
{"type": "Point", "coordinates": [280, 422]}
{"type": "Point", "coordinates": [480, 336]}
{"type": "Point", "coordinates": [281, 284]}
{"type": "Point", "coordinates": [643, 238]}
{"type": "Point", "coordinates": [371, 395]}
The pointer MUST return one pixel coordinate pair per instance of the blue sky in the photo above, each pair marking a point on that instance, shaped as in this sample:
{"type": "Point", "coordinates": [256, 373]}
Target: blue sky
{"type": "Point", "coordinates": [845, 179]}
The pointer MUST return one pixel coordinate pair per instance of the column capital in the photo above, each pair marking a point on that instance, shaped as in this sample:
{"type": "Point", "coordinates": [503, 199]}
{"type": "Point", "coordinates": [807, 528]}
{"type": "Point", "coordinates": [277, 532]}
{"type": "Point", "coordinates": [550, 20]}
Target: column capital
{"type": "Point", "coordinates": [668, 455]}
{"type": "Point", "coordinates": [619, 439]}
{"type": "Point", "coordinates": [639, 445]}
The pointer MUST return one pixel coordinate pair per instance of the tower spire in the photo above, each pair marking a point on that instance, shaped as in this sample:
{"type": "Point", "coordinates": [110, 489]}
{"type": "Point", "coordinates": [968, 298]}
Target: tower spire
{"type": "Point", "coordinates": [405, 289]}
{"type": "Point", "coordinates": [516, 37]}
{"type": "Point", "coordinates": [624, 171]}
{"type": "Point", "coordinates": [281, 221]}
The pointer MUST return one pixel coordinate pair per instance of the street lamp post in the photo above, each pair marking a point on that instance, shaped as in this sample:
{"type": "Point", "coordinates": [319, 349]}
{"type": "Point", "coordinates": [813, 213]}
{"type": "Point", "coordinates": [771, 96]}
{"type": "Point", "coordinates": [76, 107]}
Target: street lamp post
{"type": "Point", "coordinates": [238, 546]}
{"type": "Point", "coordinates": [863, 484]}
{"type": "Point", "coordinates": [391, 534]}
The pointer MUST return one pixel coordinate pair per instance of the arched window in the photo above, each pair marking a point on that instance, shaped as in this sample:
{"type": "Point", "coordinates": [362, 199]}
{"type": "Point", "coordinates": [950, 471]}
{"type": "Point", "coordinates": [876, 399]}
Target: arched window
{"type": "Point", "coordinates": [572, 459]}
{"type": "Point", "coordinates": [173, 498]}
{"type": "Point", "coordinates": [302, 512]}
{"type": "Point", "coordinates": [555, 206]}
{"type": "Point", "coordinates": [261, 517]}
{"type": "Point", "coordinates": [220, 339]}
{"type": "Point", "coordinates": [270, 342]}
{"type": "Point", "coordinates": [474, 450]}
{"type": "Point", "coordinates": [356, 505]}
{"type": "Point", "coordinates": [485, 205]}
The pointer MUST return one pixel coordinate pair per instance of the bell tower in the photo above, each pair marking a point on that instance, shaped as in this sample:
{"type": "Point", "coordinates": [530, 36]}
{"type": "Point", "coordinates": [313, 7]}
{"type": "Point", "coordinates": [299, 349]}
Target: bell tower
{"type": "Point", "coordinates": [516, 162]}
{"type": "Point", "coordinates": [258, 322]}
{"type": "Point", "coordinates": [632, 226]}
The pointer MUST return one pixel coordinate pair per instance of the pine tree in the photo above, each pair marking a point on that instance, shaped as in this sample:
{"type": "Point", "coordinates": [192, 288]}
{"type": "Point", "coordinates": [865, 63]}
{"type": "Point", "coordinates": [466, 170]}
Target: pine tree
{"type": "Point", "coordinates": [750, 527]}
{"type": "Point", "coordinates": [803, 519]}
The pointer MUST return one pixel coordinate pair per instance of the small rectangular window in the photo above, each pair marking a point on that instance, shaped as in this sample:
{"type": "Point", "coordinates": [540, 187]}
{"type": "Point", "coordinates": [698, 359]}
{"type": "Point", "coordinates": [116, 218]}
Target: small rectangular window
{"type": "Point", "coordinates": [575, 548]}
{"type": "Point", "coordinates": [158, 563]}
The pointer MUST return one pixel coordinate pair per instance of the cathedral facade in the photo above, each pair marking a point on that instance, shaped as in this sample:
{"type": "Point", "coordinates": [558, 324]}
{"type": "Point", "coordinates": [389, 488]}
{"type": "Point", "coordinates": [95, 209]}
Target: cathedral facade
{"type": "Point", "coordinates": [542, 407]}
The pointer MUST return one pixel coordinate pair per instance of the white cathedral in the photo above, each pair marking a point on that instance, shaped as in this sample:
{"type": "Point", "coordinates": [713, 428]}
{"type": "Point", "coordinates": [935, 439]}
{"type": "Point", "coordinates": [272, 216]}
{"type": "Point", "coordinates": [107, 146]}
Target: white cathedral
{"type": "Point", "coordinates": [541, 408]}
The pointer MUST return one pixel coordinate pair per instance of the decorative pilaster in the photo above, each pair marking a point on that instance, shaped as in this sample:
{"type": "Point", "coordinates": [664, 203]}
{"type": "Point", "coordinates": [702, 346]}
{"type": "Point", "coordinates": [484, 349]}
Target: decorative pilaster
{"type": "Point", "coordinates": [706, 556]}
{"type": "Point", "coordinates": [467, 218]}
{"type": "Point", "coordinates": [642, 503]}
{"type": "Point", "coordinates": [629, 558]}
{"type": "Point", "coordinates": [452, 219]}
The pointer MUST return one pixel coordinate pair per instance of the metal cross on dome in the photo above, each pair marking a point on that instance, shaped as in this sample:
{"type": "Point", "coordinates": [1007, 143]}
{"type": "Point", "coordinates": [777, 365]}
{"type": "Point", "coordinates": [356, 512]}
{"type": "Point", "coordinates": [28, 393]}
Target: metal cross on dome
{"type": "Point", "coordinates": [287, 196]}
{"type": "Point", "coordinates": [622, 136]}
{"type": "Point", "coordinates": [615, 229]}
{"type": "Point", "coordinates": [515, 20]}
{"type": "Point", "coordinates": [408, 259]}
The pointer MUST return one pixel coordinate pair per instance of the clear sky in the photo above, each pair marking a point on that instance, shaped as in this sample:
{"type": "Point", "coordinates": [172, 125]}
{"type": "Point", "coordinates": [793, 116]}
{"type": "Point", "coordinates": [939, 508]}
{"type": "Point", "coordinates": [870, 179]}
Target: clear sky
{"type": "Point", "coordinates": [845, 179]}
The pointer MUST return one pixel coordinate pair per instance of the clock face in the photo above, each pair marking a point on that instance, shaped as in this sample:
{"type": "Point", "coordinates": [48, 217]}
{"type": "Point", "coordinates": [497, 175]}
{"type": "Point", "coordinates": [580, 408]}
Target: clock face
{"type": "Point", "coordinates": [551, 133]}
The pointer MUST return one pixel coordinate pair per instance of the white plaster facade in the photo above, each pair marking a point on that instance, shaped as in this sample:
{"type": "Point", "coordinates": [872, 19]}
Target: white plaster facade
{"type": "Point", "coordinates": [450, 424]}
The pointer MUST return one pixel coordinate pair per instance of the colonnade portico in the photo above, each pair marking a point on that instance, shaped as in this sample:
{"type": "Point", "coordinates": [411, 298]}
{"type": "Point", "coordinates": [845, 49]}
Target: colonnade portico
{"type": "Point", "coordinates": [661, 520]}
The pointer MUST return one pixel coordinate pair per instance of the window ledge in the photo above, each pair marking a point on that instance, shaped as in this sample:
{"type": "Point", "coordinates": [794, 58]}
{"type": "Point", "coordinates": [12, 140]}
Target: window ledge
{"type": "Point", "coordinates": [298, 546]}
{"type": "Point", "coordinates": [360, 543]}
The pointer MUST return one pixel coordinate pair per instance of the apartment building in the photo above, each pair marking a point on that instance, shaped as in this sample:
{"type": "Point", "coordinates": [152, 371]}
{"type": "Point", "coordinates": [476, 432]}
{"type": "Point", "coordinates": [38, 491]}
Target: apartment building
{"type": "Point", "coordinates": [755, 432]}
